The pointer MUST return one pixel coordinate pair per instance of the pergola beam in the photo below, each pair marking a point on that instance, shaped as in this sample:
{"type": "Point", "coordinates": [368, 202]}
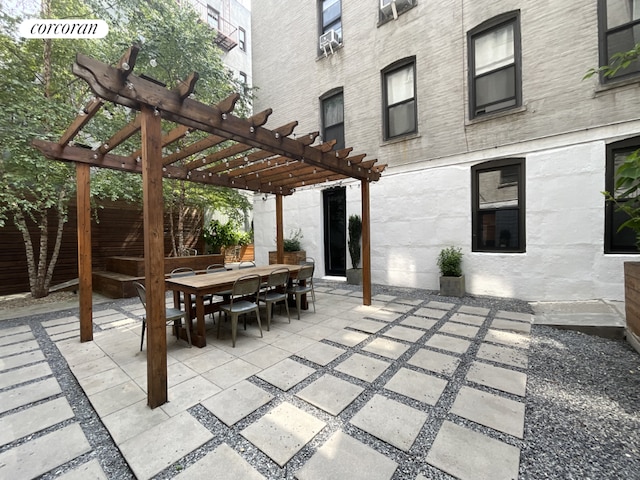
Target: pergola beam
{"type": "Point", "coordinates": [105, 81]}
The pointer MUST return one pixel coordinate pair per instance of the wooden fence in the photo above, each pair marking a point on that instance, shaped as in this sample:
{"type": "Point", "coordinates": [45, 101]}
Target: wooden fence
{"type": "Point", "coordinates": [118, 232]}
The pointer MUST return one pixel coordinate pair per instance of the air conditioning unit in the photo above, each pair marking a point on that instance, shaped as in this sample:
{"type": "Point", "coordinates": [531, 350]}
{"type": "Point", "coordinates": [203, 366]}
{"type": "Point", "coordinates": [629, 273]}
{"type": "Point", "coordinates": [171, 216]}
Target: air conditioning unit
{"type": "Point", "coordinates": [395, 7]}
{"type": "Point", "coordinates": [388, 7]}
{"type": "Point", "coordinates": [329, 40]}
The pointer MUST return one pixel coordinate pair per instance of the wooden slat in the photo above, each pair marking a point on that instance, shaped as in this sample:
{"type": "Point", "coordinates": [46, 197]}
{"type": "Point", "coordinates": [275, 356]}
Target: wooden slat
{"type": "Point", "coordinates": [192, 149]}
{"type": "Point", "coordinates": [80, 121]}
{"type": "Point", "coordinates": [186, 87]}
{"type": "Point", "coordinates": [173, 136]}
{"type": "Point", "coordinates": [120, 136]}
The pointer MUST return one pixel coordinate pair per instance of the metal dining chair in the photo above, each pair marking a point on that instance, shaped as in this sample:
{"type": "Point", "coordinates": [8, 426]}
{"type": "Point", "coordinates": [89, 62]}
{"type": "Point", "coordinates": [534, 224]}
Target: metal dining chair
{"type": "Point", "coordinates": [304, 285]}
{"type": "Point", "coordinates": [274, 291]}
{"type": "Point", "coordinates": [182, 272]}
{"type": "Point", "coordinates": [217, 268]}
{"type": "Point", "coordinates": [244, 300]}
{"type": "Point", "coordinates": [247, 264]}
{"type": "Point", "coordinates": [172, 315]}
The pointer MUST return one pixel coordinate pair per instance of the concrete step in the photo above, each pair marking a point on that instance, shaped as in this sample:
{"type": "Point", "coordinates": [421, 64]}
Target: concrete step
{"type": "Point", "coordinates": [597, 317]}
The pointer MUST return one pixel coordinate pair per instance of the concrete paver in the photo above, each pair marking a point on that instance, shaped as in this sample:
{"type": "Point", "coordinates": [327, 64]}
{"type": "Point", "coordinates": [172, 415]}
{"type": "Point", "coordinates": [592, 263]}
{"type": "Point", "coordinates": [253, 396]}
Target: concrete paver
{"type": "Point", "coordinates": [321, 353]}
{"type": "Point", "coordinates": [154, 450]}
{"type": "Point", "coordinates": [363, 367]}
{"type": "Point", "coordinates": [470, 455]}
{"type": "Point", "coordinates": [330, 393]}
{"type": "Point", "coordinates": [446, 342]}
{"type": "Point", "coordinates": [493, 411]}
{"type": "Point", "coordinates": [345, 457]}
{"type": "Point", "coordinates": [499, 378]}
{"type": "Point", "coordinates": [286, 374]}
{"type": "Point", "coordinates": [26, 394]}
{"type": "Point", "coordinates": [390, 421]}
{"type": "Point", "coordinates": [222, 464]}
{"type": "Point", "coordinates": [38, 456]}
{"type": "Point", "coordinates": [435, 361]}
{"type": "Point", "coordinates": [283, 431]}
{"type": "Point", "coordinates": [386, 348]}
{"type": "Point", "coordinates": [33, 419]}
{"type": "Point", "coordinates": [416, 385]}
{"type": "Point", "coordinates": [235, 403]}
{"type": "Point", "coordinates": [514, 357]}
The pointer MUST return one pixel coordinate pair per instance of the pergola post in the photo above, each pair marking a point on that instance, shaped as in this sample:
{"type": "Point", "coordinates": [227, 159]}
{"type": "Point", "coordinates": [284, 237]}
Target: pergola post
{"type": "Point", "coordinates": [83, 186]}
{"type": "Point", "coordinates": [154, 257]}
{"type": "Point", "coordinates": [279, 230]}
{"type": "Point", "coordinates": [366, 244]}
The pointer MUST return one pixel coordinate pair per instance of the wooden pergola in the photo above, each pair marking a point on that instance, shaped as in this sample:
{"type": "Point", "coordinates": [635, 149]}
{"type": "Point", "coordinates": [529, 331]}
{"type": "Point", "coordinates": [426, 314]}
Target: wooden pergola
{"type": "Point", "coordinates": [234, 152]}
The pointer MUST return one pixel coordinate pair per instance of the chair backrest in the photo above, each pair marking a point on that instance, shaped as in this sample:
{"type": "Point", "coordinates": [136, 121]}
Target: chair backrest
{"type": "Point", "coordinates": [308, 260]}
{"type": "Point", "coordinates": [247, 264]}
{"type": "Point", "coordinates": [216, 267]}
{"type": "Point", "coordinates": [182, 272]}
{"type": "Point", "coordinates": [306, 271]}
{"type": "Point", "coordinates": [142, 293]}
{"type": "Point", "coordinates": [246, 285]}
{"type": "Point", "coordinates": [278, 277]}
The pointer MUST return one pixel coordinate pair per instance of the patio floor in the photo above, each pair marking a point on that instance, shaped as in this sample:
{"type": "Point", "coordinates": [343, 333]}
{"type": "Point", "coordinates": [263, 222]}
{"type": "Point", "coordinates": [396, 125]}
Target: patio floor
{"type": "Point", "coordinates": [406, 388]}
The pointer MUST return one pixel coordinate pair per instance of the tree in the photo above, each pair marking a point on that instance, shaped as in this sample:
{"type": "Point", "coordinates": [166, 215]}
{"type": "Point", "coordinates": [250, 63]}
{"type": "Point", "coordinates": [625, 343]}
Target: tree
{"type": "Point", "coordinates": [40, 97]}
{"type": "Point", "coordinates": [174, 43]}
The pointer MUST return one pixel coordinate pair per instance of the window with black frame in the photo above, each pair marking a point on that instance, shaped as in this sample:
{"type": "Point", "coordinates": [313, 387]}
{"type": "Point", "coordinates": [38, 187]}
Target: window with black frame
{"type": "Point", "coordinates": [623, 241]}
{"type": "Point", "coordinates": [619, 31]}
{"type": "Point", "coordinates": [333, 118]}
{"type": "Point", "coordinates": [494, 65]}
{"type": "Point", "coordinates": [399, 95]}
{"type": "Point", "coordinates": [498, 206]}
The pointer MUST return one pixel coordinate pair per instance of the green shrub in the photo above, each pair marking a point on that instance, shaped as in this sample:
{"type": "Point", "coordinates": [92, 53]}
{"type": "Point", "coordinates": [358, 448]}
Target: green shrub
{"type": "Point", "coordinates": [450, 262]}
{"type": "Point", "coordinates": [292, 244]}
{"type": "Point", "coordinates": [355, 232]}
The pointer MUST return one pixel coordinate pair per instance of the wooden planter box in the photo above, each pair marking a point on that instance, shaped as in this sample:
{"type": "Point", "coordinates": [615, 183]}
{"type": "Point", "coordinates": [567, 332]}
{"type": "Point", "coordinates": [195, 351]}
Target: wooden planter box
{"type": "Point", "coordinates": [632, 302]}
{"type": "Point", "coordinates": [290, 258]}
{"type": "Point", "coordinates": [452, 286]}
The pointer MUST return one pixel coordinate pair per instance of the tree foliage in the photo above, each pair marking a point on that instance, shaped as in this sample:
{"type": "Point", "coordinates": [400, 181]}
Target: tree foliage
{"type": "Point", "coordinates": [40, 96]}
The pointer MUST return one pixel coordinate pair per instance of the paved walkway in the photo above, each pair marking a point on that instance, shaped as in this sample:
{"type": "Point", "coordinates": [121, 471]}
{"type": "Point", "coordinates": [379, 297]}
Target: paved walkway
{"type": "Point", "coordinates": [406, 388]}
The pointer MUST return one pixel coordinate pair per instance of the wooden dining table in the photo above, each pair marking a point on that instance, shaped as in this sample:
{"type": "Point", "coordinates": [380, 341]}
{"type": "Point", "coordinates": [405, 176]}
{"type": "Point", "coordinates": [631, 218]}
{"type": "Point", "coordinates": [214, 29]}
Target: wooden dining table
{"type": "Point", "coordinates": [205, 284]}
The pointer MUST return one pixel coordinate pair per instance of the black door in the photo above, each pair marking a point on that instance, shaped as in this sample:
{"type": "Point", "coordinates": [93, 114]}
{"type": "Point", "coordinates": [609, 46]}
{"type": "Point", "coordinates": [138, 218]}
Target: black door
{"type": "Point", "coordinates": [335, 231]}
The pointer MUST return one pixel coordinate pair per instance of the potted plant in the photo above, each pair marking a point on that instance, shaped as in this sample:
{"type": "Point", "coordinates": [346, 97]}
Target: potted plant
{"type": "Point", "coordinates": [354, 274]}
{"type": "Point", "coordinates": [293, 252]}
{"type": "Point", "coordinates": [451, 277]}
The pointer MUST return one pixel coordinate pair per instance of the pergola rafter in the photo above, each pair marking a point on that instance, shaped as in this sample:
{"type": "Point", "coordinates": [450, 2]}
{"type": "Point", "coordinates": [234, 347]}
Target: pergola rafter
{"type": "Point", "coordinates": [208, 144]}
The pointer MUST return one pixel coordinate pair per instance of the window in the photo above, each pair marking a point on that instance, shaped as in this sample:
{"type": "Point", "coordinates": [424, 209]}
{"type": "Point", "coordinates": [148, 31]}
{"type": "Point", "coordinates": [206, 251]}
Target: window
{"type": "Point", "coordinates": [331, 17]}
{"type": "Point", "coordinates": [243, 78]}
{"type": "Point", "coordinates": [213, 18]}
{"type": "Point", "coordinates": [625, 240]}
{"type": "Point", "coordinates": [242, 39]}
{"type": "Point", "coordinates": [399, 94]}
{"type": "Point", "coordinates": [619, 22]}
{"type": "Point", "coordinates": [497, 189]}
{"type": "Point", "coordinates": [333, 118]}
{"type": "Point", "coordinates": [494, 65]}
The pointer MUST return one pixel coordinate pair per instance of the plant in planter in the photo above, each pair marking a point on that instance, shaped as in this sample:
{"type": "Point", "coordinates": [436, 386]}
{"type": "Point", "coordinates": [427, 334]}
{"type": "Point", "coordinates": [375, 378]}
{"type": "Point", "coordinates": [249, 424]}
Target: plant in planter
{"type": "Point", "coordinates": [293, 252]}
{"type": "Point", "coordinates": [218, 235]}
{"type": "Point", "coordinates": [354, 274]}
{"type": "Point", "coordinates": [451, 277]}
